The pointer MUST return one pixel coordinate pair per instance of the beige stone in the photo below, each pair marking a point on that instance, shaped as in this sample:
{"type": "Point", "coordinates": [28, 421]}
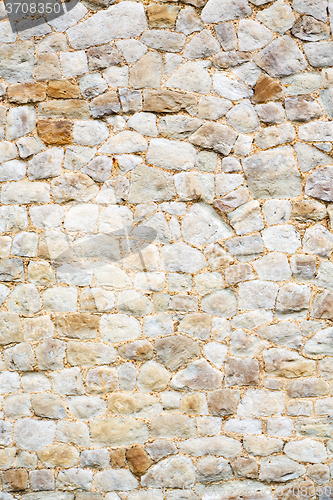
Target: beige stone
{"type": "Point", "coordinates": [223, 402]}
{"type": "Point", "coordinates": [15, 480]}
{"type": "Point", "coordinates": [67, 109]}
{"type": "Point", "coordinates": [77, 326]}
{"type": "Point", "coordinates": [23, 93]}
{"type": "Point", "coordinates": [59, 455]}
{"type": "Point", "coordinates": [162, 15]}
{"type": "Point", "coordinates": [63, 89]}
{"type": "Point", "coordinates": [138, 460]}
{"type": "Point", "coordinates": [118, 432]}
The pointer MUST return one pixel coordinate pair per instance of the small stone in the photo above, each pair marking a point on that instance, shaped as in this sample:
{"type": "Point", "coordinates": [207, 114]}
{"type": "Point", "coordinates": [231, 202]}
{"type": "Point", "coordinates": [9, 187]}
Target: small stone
{"type": "Point", "coordinates": [318, 240]}
{"type": "Point", "coordinates": [138, 460]}
{"type": "Point", "coordinates": [101, 380]}
{"type": "Point", "coordinates": [246, 467]}
{"type": "Point", "coordinates": [201, 46]}
{"type": "Point", "coordinates": [279, 17]}
{"type": "Point", "coordinates": [103, 57]}
{"type": "Point", "coordinates": [253, 35]}
{"type": "Point", "coordinates": [20, 121]}
{"type": "Point", "coordinates": [162, 16]}
{"type": "Point", "coordinates": [153, 377]}
{"type": "Point", "coordinates": [47, 67]}
{"type": "Point", "coordinates": [213, 108]}
{"type": "Point", "coordinates": [105, 104]}
{"type": "Point", "coordinates": [281, 57]}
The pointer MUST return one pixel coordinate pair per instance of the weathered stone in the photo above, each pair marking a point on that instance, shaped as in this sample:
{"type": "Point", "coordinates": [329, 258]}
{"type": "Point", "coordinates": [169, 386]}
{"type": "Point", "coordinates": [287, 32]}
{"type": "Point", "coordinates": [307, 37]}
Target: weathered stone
{"type": "Point", "coordinates": [319, 184]}
{"type": "Point", "coordinates": [15, 480]}
{"type": "Point", "coordinates": [26, 92]}
{"type": "Point", "coordinates": [55, 131]}
{"type": "Point", "coordinates": [17, 61]}
{"type": "Point", "coordinates": [105, 104]}
{"type": "Point", "coordinates": [310, 387]}
{"type": "Point", "coordinates": [198, 375]}
{"type": "Point", "coordinates": [279, 17]}
{"type": "Point", "coordinates": [319, 343]}
{"type": "Point", "coordinates": [260, 402]}
{"type": "Point", "coordinates": [147, 72]}
{"type": "Point", "coordinates": [284, 363]}
{"type": "Point", "coordinates": [309, 451]}
{"type": "Point", "coordinates": [281, 57]}
{"type": "Point", "coordinates": [188, 21]}
{"type": "Point", "coordinates": [191, 76]}
{"type": "Point", "coordinates": [218, 137]}
{"type": "Point", "coordinates": [138, 460]}
{"type": "Point", "coordinates": [32, 434]}
{"type": "Point", "coordinates": [118, 432]}
{"type": "Point", "coordinates": [153, 377]}
{"type": "Point", "coordinates": [162, 16]}
{"type": "Point", "coordinates": [241, 372]}
{"type": "Point", "coordinates": [173, 352]}
{"type": "Point", "coordinates": [172, 472]}
{"type": "Point", "coordinates": [103, 57]}
{"type": "Point", "coordinates": [301, 109]}
{"type": "Point", "coordinates": [280, 469]}
{"type": "Point", "coordinates": [215, 11]}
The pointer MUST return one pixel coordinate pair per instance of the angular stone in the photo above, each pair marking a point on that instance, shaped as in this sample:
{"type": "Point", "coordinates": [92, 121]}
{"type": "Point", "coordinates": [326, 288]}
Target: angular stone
{"type": "Point", "coordinates": [318, 240]}
{"type": "Point", "coordinates": [103, 57]}
{"type": "Point", "coordinates": [105, 104]}
{"type": "Point", "coordinates": [211, 469]}
{"type": "Point", "coordinates": [252, 35]}
{"type": "Point", "coordinates": [147, 72]}
{"type": "Point", "coordinates": [262, 445]}
{"type": "Point", "coordinates": [271, 112]}
{"type": "Point", "coordinates": [46, 164]}
{"type": "Point", "coordinates": [230, 87]}
{"type": "Point", "coordinates": [226, 34]}
{"type": "Point", "coordinates": [317, 10]}
{"type": "Point", "coordinates": [55, 131]}
{"type": "Point", "coordinates": [164, 40]}
{"type": "Point", "coordinates": [201, 46]}
{"type": "Point", "coordinates": [257, 294]}
{"type": "Point", "coordinates": [118, 21]}
{"type": "Point", "coordinates": [284, 333]}
{"type": "Point", "coordinates": [241, 372]}
{"type": "Point", "coordinates": [214, 136]}
{"type": "Point", "coordinates": [173, 352]}
{"type": "Point", "coordinates": [284, 363]}
{"type": "Point", "coordinates": [138, 460]}
{"type": "Point", "coordinates": [63, 89]}
{"type": "Point", "coordinates": [320, 343]}
{"type": "Point", "coordinates": [265, 170]}
{"type": "Point", "coordinates": [281, 57]}
{"type": "Point", "coordinates": [191, 76]}
{"type": "Point", "coordinates": [301, 109]}
{"type": "Point", "coordinates": [293, 299]}
{"type": "Point", "coordinates": [310, 30]}
{"type": "Point", "coordinates": [245, 467]}
{"type": "Point", "coordinates": [319, 184]}
{"type": "Point", "coordinates": [158, 188]}
{"type": "Point", "coordinates": [279, 17]}
{"type": "Point", "coordinates": [275, 136]}
{"type": "Point", "coordinates": [133, 404]}
{"type": "Point", "coordinates": [73, 187]}
{"type": "Point", "coordinates": [283, 237]}
{"type": "Point", "coordinates": [162, 16]}
{"type": "Point", "coordinates": [225, 10]}
{"type": "Point", "coordinates": [188, 21]}
{"type": "Point", "coordinates": [17, 62]}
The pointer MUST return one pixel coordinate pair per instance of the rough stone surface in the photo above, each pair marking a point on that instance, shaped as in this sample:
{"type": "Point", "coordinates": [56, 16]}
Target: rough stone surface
{"type": "Point", "coordinates": [165, 251]}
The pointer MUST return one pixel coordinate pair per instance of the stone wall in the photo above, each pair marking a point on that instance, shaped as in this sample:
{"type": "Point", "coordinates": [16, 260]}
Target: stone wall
{"type": "Point", "coordinates": [165, 252]}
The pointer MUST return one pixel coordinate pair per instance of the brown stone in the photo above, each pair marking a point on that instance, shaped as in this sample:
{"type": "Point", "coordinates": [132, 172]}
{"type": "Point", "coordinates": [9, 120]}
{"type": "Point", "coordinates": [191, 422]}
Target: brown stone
{"type": "Point", "coordinates": [55, 131]}
{"type": "Point", "coordinates": [308, 210]}
{"type": "Point", "coordinates": [173, 352]}
{"type": "Point", "coordinates": [117, 458]}
{"type": "Point", "coordinates": [15, 480]}
{"type": "Point", "coordinates": [162, 15]}
{"type": "Point", "coordinates": [240, 371]}
{"type": "Point", "coordinates": [76, 109]}
{"type": "Point", "coordinates": [245, 467]}
{"type": "Point", "coordinates": [59, 455]}
{"type": "Point", "coordinates": [22, 93]}
{"type": "Point", "coordinates": [223, 402]}
{"type": "Point", "coordinates": [77, 326]}
{"type": "Point", "coordinates": [63, 89]}
{"type": "Point", "coordinates": [267, 89]}
{"type": "Point", "coordinates": [323, 305]}
{"type": "Point", "coordinates": [102, 57]}
{"type": "Point", "coordinates": [138, 350]}
{"type": "Point", "coordinates": [167, 101]}
{"type": "Point", "coordinates": [138, 460]}
{"type": "Point", "coordinates": [105, 104]}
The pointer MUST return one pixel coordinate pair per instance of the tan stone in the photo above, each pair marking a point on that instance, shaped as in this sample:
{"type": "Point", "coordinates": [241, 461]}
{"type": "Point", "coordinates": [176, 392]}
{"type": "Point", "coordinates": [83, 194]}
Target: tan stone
{"type": "Point", "coordinates": [22, 93]}
{"type": "Point", "coordinates": [71, 109]}
{"type": "Point", "coordinates": [139, 350]}
{"type": "Point", "coordinates": [223, 402]}
{"type": "Point", "coordinates": [167, 101]}
{"type": "Point", "coordinates": [59, 455]}
{"type": "Point", "coordinates": [101, 380]}
{"type": "Point", "coordinates": [138, 460]}
{"type": "Point", "coordinates": [175, 351]}
{"type": "Point", "coordinates": [284, 363]}
{"type": "Point", "coordinates": [118, 432]}
{"type": "Point", "coordinates": [63, 89]}
{"type": "Point", "coordinates": [311, 387]}
{"type": "Point", "coordinates": [77, 326]}
{"type": "Point", "coordinates": [117, 458]}
{"type": "Point", "coordinates": [130, 404]}
{"type": "Point", "coordinates": [161, 15]}
{"type": "Point", "coordinates": [47, 67]}
{"type": "Point", "coordinates": [267, 89]}
{"type": "Point", "coordinates": [55, 131]}
{"type": "Point", "coordinates": [15, 480]}
{"type": "Point", "coordinates": [308, 210]}
{"type": "Point", "coordinates": [7, 456]}
{"type": "Point", "coordinates": [90, 354]}
{"type": "Point", "coordinates": [105, 104]}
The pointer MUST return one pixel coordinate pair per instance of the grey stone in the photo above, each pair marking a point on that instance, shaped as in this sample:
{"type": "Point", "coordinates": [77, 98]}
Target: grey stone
{"type": "Point", "coordinates": [309, 157]}
{"type": "Point", "coordinates": [279, 17]}
{"type": "Point", "coordinates": [201, 46]}
{"type": "Point", "coordinates": [253, 35]}
{"type": "Point", "coordinates": [191, 76]}
{"type": "Point", "coordinates": [280, 469]}
{"type": "Point", "coordinates": [214, 136]}
{"type": "Point", "coordinates": [164, 40]}
{"type": "Point", "coordinates": [172, 472]}
{"type": "Point", "coordinates": [310, 30]}
{"type": "Point", "coordinates": [281, 57]}
{"type": "Point", "coordinates": [225, 10]}
{"type": "Point", "coordinates": [317, 10]}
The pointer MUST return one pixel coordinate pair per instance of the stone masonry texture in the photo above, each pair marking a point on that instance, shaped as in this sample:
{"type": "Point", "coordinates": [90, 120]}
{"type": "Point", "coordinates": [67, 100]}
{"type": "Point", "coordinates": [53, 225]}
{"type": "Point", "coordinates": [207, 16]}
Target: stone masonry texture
{"type": "Point", "coordinates": [166, 239]}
